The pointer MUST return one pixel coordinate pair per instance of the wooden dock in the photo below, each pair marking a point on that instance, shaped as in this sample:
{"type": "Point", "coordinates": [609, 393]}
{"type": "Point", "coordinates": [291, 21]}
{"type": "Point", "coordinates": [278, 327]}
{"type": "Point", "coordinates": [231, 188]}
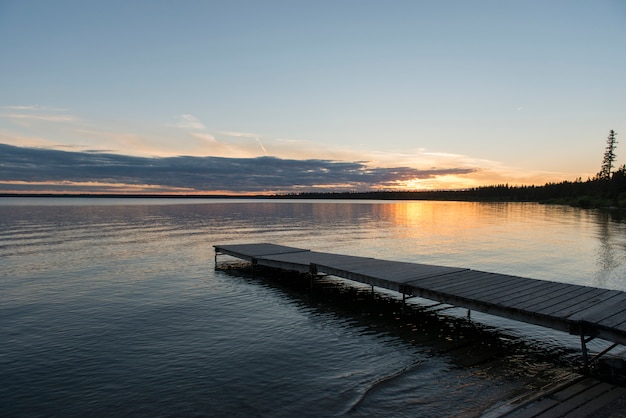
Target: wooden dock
{"type": "Point", "coordinates": [576, 397]}
{"type": "Point", "coordinates": [579, 310]}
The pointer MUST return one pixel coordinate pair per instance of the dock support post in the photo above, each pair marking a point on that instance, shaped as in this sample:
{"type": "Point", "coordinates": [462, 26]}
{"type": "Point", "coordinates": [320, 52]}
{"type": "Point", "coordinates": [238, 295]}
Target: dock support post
{"type": "Point", "coordinates": [215, 254]}
{"type": "Point", "coordinates": [583, 346]}
{"type": "Point", "coordinates": [403, 304]}
{"type": "Point", "coordinates": [587, 361]}
{"type": "Point", "coordinates": [312, 274]}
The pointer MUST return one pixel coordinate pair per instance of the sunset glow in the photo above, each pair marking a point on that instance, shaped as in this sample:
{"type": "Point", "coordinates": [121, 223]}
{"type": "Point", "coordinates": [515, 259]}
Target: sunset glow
{"type": "Point", "coordinates": [388, 96]}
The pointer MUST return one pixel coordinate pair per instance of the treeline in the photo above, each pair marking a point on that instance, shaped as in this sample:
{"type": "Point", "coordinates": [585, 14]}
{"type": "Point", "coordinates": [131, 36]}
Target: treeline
{"type": "Point", "coordinates": [596, 192]}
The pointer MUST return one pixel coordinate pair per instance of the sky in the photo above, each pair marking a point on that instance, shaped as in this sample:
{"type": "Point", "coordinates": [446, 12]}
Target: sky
{"type": "Point", "coordinates": [288, 96]}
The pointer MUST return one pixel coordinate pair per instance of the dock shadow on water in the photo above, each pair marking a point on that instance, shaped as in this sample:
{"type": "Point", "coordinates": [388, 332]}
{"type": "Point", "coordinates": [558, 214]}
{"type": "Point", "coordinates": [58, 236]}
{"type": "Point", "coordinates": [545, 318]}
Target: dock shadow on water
{"type": "Point", "coordinates": [438, 331]}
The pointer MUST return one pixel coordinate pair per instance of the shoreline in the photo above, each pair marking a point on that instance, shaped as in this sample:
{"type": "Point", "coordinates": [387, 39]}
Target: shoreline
{"type": "Point", "coordinates": [581, 202]}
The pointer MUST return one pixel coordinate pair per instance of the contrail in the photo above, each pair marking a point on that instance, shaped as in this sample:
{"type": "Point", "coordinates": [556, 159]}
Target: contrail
{"type": "Point", "coordinates": [261, 145]}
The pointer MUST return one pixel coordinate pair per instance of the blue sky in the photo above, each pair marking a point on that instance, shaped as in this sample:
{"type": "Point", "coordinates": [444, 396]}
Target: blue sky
{"type": "Point", "coordinates": [470, 92]}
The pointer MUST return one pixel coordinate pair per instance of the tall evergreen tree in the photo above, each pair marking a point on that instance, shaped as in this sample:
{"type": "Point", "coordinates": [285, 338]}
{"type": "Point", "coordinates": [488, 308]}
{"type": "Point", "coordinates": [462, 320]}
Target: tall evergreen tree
{"type": "Point", "coordinates": [609, 157]}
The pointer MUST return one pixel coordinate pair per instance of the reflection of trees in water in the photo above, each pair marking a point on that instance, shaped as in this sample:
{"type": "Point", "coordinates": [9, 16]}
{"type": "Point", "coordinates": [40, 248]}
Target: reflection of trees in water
{"type": "Point", "coordinates": [609, 254]}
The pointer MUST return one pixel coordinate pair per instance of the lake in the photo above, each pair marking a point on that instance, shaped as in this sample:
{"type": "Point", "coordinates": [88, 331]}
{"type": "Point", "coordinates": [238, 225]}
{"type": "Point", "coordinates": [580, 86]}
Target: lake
{"type": "Point", "coordinates": [113, 307]}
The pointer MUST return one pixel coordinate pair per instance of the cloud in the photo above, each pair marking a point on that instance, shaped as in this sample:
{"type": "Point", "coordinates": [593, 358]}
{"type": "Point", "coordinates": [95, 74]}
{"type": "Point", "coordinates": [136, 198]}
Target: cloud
{"type": "Point", "coordinates": [203, 174]}
{"type": "Point", "coordinates": [190, 122]}
{"type": "Point", "coordinates": [38, 117]}
{"type": "Point", "coordinates": [37, 108]}
{"type": "Point", "coordinates": [36, 113]}
{"type": "Point", "coordinates": [31, 107]}
{"type": "Point", "coordinates": [240, 134]}
{"type": "Point", "coordinates": [256, 137]}
{"type": "Point", "coordinates": [204, 136]}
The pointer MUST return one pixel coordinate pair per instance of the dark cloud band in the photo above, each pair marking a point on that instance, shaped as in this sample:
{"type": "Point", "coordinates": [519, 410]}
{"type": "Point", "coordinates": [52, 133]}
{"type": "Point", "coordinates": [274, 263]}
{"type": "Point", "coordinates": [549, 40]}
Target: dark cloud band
{"type": "Point", "coordinates": [204, 173]}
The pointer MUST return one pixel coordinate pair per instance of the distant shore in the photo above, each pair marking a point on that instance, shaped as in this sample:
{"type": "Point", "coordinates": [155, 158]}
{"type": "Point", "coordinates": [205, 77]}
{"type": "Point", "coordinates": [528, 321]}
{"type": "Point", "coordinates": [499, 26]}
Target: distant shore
{"type": "Point", "coordinates": [133, 196]}
{"type": "Point", "coordinates": [474, 195]}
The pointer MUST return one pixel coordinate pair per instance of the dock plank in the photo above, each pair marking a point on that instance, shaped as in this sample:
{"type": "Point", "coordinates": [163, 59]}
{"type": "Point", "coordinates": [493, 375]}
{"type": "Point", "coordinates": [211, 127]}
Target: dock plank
{"type": "Point", "coordinates": [503, 286]}
{"type": "Point", "coordinates": [580, 400]}
{"type": "Point", "coordinates": [460, 281]}
{"type": "Point", "coordinates": [613, 321]}
{"type": "Point", "coordinates": [442, 278]}
{"type": "Point", "coordinates": [548, 300]}
{"type": "Point", "coordinates": [548, 403]}
{"type": "Point", "coordinates": [582, 397]}
{"type": "Point", "coordinates": [533, 410]}
{"type": "Point", "coordinates": [251, 251]}
{"type": "Point", "coordinates": [599, 402]}
{"type": "Point", "coordinates": [523, 291]}
{"type": "Point", "coordinates": [621, 326]}
{"type": "Point", "coordinates": [577, 304]}
{"type": "Point", "coordinates": [573, 303]}
{"type": "Point", "coordinates": [472, 280]}
{"type": "Point", "coordinates": [403, 271]}
{"type": "Point", "coordinates": [541, 296]}
{"type": "Point", "coordinates": [526, 296]}
{"type": "Point", "coordinates": [611, 306]}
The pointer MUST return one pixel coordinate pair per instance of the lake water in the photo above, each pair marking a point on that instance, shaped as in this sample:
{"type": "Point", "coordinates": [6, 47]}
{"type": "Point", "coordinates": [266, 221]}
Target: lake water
{"type": "Point", "coordinates": [114, 307]}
